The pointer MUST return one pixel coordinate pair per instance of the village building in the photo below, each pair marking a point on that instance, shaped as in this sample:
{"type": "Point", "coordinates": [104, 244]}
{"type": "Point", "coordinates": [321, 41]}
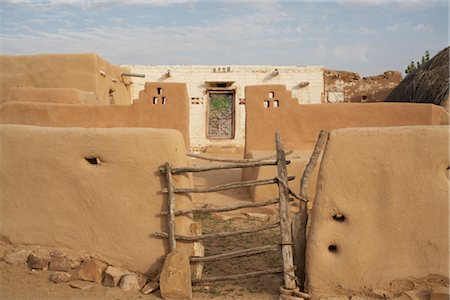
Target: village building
{"type": "Point", "coordinates": [217, 93]}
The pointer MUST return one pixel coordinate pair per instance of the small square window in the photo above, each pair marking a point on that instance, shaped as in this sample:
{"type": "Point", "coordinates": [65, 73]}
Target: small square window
{"type": "Point", "coordinates": [276, 103]}
{"type": "Point", "coordinates": [159, 91]}
{"type": "Point", "coordinates": [271, 95]}
{"type": "Point", "coordinates": [267, 104]}
{"type": "Point", "coordinates": [155, 100]}
{"type": "Point", "coordinates": [163, 101]}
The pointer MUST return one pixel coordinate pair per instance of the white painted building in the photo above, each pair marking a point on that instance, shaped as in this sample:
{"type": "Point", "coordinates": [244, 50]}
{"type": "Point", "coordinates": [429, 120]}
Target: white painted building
{"type": "Point", "coordinates": [207, 84]}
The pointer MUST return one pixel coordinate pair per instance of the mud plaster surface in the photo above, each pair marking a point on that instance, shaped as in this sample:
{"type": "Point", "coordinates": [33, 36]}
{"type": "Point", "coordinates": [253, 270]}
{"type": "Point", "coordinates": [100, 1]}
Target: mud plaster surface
{"type": "Point", "coordinates": [391, 184]}
{"type": "Point", "coordinates": [51, 196]}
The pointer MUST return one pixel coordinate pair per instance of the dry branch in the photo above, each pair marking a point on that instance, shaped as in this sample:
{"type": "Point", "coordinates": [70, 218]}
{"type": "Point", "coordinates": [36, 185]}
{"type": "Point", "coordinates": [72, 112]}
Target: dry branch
{"type": "Point", "coordinates": [222, 167]}
{"type": "Point", "coordinates": [285, 225]}
{"type": "Point", "coordinates": [301, 218]}
{"type": "Point", "coordinates": [171, 206]}
{"type": "Point", "coordinates": [237, 253]}
{"type": "Point", "coordinates": [222, 209]}
{"type": "Point", "coordinates": [248, 160]}
{"type": "Point", "coordinates": [226, 186]}
{"type": "Point", "coordinates": [215, 235]}
{"type": "Point", "coordinates": [238, 276]}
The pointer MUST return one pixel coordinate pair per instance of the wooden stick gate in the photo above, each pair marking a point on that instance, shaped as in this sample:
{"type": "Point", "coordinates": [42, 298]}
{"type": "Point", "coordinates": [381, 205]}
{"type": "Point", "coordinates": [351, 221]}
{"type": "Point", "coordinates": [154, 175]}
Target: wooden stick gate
{"type": "Point", "coordinates": [284, 220]}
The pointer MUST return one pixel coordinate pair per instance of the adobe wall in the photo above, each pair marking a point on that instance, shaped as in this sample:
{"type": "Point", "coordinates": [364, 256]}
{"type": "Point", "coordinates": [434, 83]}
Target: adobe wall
{"type": "Point", "coordinates": [343, 86]}
{"type": "Point", "coordinates": [50, 95]}
{"type": "Point", "coordinates": [306, 83]}
{"type": "Point", "coordinates": [51, 196]}
{"type": "Point", "coordinates": [174, 113]}
{"type": "Point", "coordinates": [87, 72]}
{"type": "Point", "coordinates": [391, 187]}
{"type": "Point", "coordinates": [300, 125]}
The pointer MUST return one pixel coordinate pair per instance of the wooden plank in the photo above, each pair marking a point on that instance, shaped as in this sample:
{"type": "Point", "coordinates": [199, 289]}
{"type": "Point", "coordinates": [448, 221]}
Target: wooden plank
{"type": "Point", "coordinates": [227, 186]}
{"type": "Point", "coordinates": [285, 225]}
{"type": "Point", "coordinates": [237, 253]}
{"type": "Point", "coordinates": [222, 209]}
{"type": "Point", "coordinates": [171, 206]}
{"type": "Point", "coordinates": [301, 218]}
{"type": "Point", "coordinates": [215, 235]}
{"type": "Point", "coordinates": [235, 160]}
{"type": "Point", "coordinates": [223, 167]}
{"type": "Point", "coordinates": [238, 276]}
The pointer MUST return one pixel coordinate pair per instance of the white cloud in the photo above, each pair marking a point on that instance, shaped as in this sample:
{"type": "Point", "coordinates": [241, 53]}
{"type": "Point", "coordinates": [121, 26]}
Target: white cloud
{"type": "Point", "coordinates": [422, 28]}
{"type": "Point", "coordinates": [393, 27]}
{"type": "Point", "coordinates": [365, 30]}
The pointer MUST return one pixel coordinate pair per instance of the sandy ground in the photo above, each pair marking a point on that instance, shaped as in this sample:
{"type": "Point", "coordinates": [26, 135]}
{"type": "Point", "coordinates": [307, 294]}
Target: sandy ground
{"type": "Point", "coordinates": [19, 282]}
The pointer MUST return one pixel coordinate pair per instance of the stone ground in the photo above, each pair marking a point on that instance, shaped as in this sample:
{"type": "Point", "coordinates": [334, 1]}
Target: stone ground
{"type": "Point", "coordinates": [19, 282]}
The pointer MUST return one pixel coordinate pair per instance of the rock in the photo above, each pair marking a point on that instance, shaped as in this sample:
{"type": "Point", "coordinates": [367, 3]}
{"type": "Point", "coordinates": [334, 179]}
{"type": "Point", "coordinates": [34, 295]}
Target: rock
{"type": "Point", "coordinates": [38, 260]}
{"type": "Point", "coordinates": [384, 293]}
{"type": "Point", "coordinates": [402, 285]}
{"type": "Point", "coordinates": [82, 285]}
{"type": "Point", "coordinates": [150, 287]}
{"type": "Point", "coordinates": [257, 215]}
{"type": "Point", "coordinates": [59, 262]}
{"type": "Point", "coordinates": [112, 276]}
{"type": "Point", "coordinates": [440, 293]}
{"type": "Point", "coordinates": [60, 277]}
{"type": "Point", "coordinates": [132, 282]}
{"type": "Point", "coordinates": [417, 295]}
{"type": "Point", "coordinates": [18, 257]}
{"type": "Point", "coordinates": [175, 278]}
{"type": "Point", "coordinates": [89, 270]}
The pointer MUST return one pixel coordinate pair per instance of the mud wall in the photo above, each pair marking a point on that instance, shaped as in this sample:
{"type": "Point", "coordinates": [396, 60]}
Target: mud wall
{"type": "Point", "coordinates": [390, 186]}
{"type": "Point", "coordinates": [144, 112]}
{"type": "Point", "coordinates": [343, 86]}
{"type": "Point", "coordinates": [300, 125]}
{"type": "Point", "coordinates": [52, 196]}
{"type": "Point", "coordinates": [87, 72]}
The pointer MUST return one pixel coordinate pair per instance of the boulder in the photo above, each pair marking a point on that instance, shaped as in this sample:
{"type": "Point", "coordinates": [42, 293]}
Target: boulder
{"type": "Point", "coordinates": [59, 262]}
{"type": "Point", "coordinates": [18, 257]}
{"type": "Point", "coordinates": [132, 282]}
{"type": "Point", "coordinates": [175, 278]}
{"type": "Point", "coordinates": [89, 270]}
{"type": "Point", "coordinates": [60, 277]}
{"type": "Point", "coordinates": [112, 276]}
{"type": "Point", "coordinates": [38, 260]}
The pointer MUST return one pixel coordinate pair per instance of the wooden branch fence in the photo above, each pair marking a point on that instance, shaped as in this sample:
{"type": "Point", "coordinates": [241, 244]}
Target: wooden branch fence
{"type": "Point", "coordinates": [284, 223]}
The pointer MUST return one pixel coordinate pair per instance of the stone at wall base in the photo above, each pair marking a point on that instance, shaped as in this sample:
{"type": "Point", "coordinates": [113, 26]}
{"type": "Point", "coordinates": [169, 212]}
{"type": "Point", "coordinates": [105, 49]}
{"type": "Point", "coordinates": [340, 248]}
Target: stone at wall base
{"type": "Point", "coordinates": [175, 278]}
{"type": "Point", "coordinates": [82, 285]}
{"type": "Point", "coordinates": [59, 262]}
{"type": "Point", "coordinates": [38, 260]}
{"type": "Point", "coordinates": [60, 277]}
{"type": "Point", "coordinates": [150, 287]}
{"type": "Point", "coordinates": [89, 270]}
{"type": "Point", "coordinates": [132, 282]}
{"type": "Point", "coordinates": [112, 276]}
{"type": "Point", "coordinates": [18, 257]}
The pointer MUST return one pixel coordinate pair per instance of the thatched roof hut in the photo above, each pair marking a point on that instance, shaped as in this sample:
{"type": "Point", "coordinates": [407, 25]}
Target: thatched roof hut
{"type": "Point", "coordinates": [428, 84]}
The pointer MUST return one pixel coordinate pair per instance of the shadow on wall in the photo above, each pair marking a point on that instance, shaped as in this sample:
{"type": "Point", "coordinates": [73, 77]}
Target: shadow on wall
{"type": "Point", "coordinates": [271, 108]}
{"type": "Point", "coordinates": [160, 105]}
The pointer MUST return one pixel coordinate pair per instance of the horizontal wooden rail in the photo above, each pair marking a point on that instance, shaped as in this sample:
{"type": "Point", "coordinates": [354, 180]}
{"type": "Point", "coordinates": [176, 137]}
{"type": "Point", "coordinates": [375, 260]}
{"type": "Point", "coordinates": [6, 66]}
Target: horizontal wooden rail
{"type": "Point", "coordinates": [222, 209]}
{"type": "Point", "coordinates": [227, 186]}
{"type": "Point", "coordinates": [247, 160]}
{"type": "Point", "coordinates": [215, 235]}
{"type": "Point", "coordinates": [237, 253]}
{"type": "Point", "coordinates": [222, 167]}
{"type": "Point", "coordinates": [238, 276]}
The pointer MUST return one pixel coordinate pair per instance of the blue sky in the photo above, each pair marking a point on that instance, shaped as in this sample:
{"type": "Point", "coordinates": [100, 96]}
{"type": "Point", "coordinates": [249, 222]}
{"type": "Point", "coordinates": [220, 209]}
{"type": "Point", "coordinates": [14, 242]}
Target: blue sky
{"type": "Point", "coordinates": [368, 37]}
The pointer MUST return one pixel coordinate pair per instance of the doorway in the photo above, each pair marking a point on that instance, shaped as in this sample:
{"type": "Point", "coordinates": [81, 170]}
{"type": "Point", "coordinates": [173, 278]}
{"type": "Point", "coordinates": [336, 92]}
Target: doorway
{"type": "Point", "coordinates": [220, 115]}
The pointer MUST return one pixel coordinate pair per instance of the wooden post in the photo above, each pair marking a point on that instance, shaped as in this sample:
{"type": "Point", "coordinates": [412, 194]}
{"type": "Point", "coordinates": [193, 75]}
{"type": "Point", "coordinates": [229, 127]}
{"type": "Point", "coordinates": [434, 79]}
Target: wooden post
{"type": "Point", "coordinates": [285, 226]}
{"type": "Point", "coordinates": [171, 207]}
{"type": "Point", "coordinates": [301, 218]}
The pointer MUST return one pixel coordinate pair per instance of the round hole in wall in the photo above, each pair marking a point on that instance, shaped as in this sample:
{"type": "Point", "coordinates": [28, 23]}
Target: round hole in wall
{"type": "Point", "coordinates": [364, 97]}
{"type": "Point", "coordinates": [339, 217]}
{"type": "Point", "coordinates": [332, 248]}
{"type": "Point", "coordinates": [93, 160]}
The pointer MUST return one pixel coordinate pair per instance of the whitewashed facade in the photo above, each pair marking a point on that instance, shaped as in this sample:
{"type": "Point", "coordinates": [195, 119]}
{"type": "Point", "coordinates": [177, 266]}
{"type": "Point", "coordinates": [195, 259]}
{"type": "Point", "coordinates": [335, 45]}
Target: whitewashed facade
{"type": "Point", "coordinates": [306, 84]}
